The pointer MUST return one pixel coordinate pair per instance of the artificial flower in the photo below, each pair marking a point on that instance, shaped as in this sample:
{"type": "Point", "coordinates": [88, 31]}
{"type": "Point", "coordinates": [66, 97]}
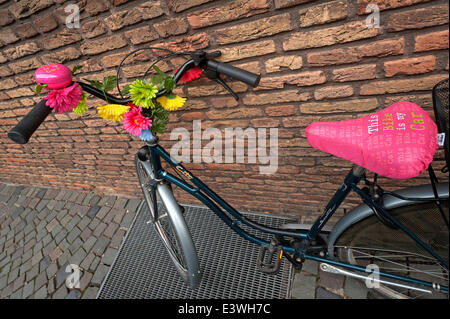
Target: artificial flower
{"type": "Point", "coordinates": [134, 122]}
{"type": "Point", "coordinates": [131, 105]}
{"type": "Point", "coordinates": [146, 135]}
{"type": "Point", "coordinates": [142, 93]}
{"type": "Point", "coordinates": [113, 112]}
{"type": "Point", "coordinates": [81, 107]}
{"type": "Point", "coordinates": [171, 101]}
{"type": "Point", "coordinates": [64, 100]}
{"type": "Point", "coordinates": [191, 75]}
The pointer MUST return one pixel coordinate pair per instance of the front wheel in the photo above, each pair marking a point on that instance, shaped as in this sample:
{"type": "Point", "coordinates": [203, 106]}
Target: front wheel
{"type": "Point", "coordinates": [170, 225]}
{"type": "Point", "coordinates": [369, 242]}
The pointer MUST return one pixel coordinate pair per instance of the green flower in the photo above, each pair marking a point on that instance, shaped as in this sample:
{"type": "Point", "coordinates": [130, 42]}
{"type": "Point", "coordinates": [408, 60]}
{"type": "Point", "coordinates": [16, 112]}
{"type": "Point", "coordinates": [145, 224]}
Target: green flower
{"type": "Point", "coordinates": [142, 93]}
{"type": "Point", "coordinates": [81, 107]}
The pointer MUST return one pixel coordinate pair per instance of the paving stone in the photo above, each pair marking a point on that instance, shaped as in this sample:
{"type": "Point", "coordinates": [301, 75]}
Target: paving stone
{"type": "Point", "coordinates": [73, 234]}
{"type": "Point", "coordinates": [127, 220]}
{"type": "Point", "coordinates": [90, 293]}
{"type": "Point", "coordinates": [110, 230]}
{"type": "Point", "coordinates": [60, 293]}
{"type": "Point", "coordinates": [43, 265]}
{"type": "Point", "coordinates": [74, 294]}
{"type": "Point", "coordinates": [13, 275]}
{"type": "Point", "coordinates": [16, 295]}
{"type": "Point", "coordinates": [104, 210]}
{"type": "Point", "coordinates": [85, 280]}
{"type": "Point", "coordinates": [86, 263]}
{"type": "Point", "coordinates": [355, 288]}
{"type": "Point", "coordinates": [109, 256]}
{"type": "Point", "coordinates": [55, 254]}
{"type": "Point", "coordinates": [28, 289]}
{"type": "Point", "coordinates": [133, 205]}
{"type": "Point", "coordinates": [77, 243]}
{"type": "Point", "coordinates": [93, 211]}
{"type": "Point", "coordinates": [89, 243]}
{"type": "Point", "coordinates": [94, 264]}
{"type": "Point", "coordinates": [41, 293]}
{"type": "Point", "coordinates": [40, 280]}
{"type": "Point", "coordinates": [99, 275]}
{"type": "Point", "coordinates": [332, 282]}
{"type": "Point", "coordinates": [100, 245]}
{"type": "Point", "coordinates": [99, 229]}
{"type": "Point", "coordinates": [78, 257]}
{"type": "Point", "coordinates": [51, 270]}
{"type": "Point", "coordinates": [303, 286]}
{"type": "Point", "coordinates": [324, 294]}
{"type": "Point", "coordinates": [61, 275]}
{"type": "Point", "coordinates": [94, 200]}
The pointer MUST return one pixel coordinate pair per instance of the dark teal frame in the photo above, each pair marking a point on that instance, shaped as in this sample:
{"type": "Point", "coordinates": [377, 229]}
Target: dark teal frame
{"type": "Point", "coordinates": [213, 201]}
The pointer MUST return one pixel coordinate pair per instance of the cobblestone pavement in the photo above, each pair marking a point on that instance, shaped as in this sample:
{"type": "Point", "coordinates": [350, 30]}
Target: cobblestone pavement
{"type": "Point", "coordinates": [43, 230]}
{"type": "Point", "coordinates": [313, 283]}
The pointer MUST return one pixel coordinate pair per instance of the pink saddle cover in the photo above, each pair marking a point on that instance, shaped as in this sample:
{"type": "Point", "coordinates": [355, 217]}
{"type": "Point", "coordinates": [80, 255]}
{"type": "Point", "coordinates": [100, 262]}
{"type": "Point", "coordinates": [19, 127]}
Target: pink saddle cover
{"type": "Point", "coordinates": [397, 142]}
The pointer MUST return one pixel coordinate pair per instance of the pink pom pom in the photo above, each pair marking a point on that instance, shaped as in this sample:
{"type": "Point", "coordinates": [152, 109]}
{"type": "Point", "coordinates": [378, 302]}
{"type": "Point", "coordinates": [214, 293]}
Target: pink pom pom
{"type": "Point", "coordinates": [64, 100]}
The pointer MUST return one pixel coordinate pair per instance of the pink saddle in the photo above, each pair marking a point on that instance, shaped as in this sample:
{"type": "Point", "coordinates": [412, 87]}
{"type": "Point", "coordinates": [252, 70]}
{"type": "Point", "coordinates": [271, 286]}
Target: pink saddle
{"type": "Point", "coordinates": [397, 142]}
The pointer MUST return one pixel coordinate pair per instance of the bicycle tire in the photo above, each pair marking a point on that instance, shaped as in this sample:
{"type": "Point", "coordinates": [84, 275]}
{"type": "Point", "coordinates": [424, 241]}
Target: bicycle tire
{"type": "Point", "coordinates": [368, 241]}
{"type": "Point", "coordinates": [171, 228]}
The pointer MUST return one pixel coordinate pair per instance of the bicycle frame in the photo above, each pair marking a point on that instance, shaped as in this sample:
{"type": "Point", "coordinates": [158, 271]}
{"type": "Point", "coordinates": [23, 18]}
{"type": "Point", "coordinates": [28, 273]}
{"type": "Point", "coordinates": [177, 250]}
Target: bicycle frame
{"type": "Point", "coordinates": [219, 205]}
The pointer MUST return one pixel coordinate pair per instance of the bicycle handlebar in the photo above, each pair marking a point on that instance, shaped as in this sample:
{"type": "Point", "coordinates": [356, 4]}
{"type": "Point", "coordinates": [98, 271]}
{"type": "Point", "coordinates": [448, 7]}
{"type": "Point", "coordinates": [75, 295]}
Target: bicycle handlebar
{"type": "Point", "coordinates": [22, 132]}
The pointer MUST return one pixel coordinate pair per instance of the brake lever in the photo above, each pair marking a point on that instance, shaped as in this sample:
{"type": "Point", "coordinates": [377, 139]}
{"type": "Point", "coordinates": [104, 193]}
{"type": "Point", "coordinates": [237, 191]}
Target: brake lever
{"type": "Point", "coordinates": [215, 76]}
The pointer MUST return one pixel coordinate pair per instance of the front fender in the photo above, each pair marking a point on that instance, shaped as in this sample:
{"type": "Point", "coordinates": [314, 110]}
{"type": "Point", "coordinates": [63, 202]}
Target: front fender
{"type": "Point", "coordinates": [363, 211]}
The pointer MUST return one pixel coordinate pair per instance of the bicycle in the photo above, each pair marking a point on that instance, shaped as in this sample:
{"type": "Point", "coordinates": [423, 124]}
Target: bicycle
{"type": "Point", "coordinates": [388, 229]}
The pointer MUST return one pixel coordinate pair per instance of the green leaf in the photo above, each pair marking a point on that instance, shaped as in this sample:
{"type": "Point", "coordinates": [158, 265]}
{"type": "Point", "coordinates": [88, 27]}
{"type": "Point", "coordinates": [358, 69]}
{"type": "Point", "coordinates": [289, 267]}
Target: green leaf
{"type": "Point", "coordinates": [76, 68]}
{"type": "Point", "coordinates": [169, 84]}
{"type": "Point", "coordinates": [159, 71]}
{"type": "Point", "coordinates": [126, 90]}
{"type": "Point", "coordinates": [109, 83]}
{"type": "Point", "coordinates": [95, 83]}
{"type": "Point", "coordinates": [38, 88]}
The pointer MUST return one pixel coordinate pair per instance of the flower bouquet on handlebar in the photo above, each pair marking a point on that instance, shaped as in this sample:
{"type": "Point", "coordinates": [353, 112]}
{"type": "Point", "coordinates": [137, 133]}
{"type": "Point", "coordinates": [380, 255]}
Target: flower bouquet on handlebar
{"type": "Point", "coordinates": [145, 115]}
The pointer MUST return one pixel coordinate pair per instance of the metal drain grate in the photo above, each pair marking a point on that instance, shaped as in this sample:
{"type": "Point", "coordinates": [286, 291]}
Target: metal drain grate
{"type": "Point", "coordinates": [143, 269]}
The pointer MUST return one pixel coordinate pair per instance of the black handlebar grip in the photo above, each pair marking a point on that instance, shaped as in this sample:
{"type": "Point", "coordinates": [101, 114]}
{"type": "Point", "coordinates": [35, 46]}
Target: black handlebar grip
{"type": "Point", "coordinates": [236, 73]}
{"type": "Point", "coordinates": [22, 132]}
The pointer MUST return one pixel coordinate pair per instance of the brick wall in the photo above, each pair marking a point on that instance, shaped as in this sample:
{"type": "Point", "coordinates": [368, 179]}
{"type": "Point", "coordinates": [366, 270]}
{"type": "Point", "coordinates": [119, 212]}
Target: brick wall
{"type": "Point", "coordinates": [318, 60]}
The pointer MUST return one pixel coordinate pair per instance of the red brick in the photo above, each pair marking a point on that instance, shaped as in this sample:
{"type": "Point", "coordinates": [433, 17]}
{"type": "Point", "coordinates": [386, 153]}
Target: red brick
{"type": "Point", "coordinates": [386, 4]}
{"type": "Point", "coordinates": [333, 92]}
{"type": "Point", "coordinates": [233, 10]}
{"type": "Point", "coordinates": [46, 23]}
{"type": "Point", "coordinates": [288, 3]}
{"type": "Point", "coordinates": [324, 13]}
{"type": "Point", "coordinates": [93, 28]}
{"type": "Point", "coordinates": [351, 31]}
{"type": "Point", "coordinates": [419, 18]}
{"type": "Point", "coordinates": [5, 17]}
{"type": "Point", "coordinates": [141, 35]}
{"type": "Point", "coordinates": [186, 44]}
{"type": "Point", "coordinates": [171, 27]}
{"type": "Point", "coordinates": [181, 5]}
{"type": "Point", "coordinates": [431, 41]}
{"type": "Point", "coordinates": [103, 45]}
{"type": "Point", "coordinates": [280, 110]}
{"type": "Point", "coordinates": [410, 66]}
{"type": "Point", "coordinates": [401, 85]}
{"type": "Point", "coordinates": [353, 54]}
{"type": "Point", "coordinates": [355, 73]}
{"type": "Point", "coordinates": [247, 50]}
{"type": "Point", "coordinates": [254, 29]}
{"type": "Point", "coordinates": [133, 15]}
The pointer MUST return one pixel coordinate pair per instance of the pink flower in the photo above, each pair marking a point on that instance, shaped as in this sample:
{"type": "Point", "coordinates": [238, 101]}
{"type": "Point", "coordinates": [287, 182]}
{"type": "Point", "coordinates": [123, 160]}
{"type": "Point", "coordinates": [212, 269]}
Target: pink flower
{"type": "Point", "coordinates": [64, 100]}
{"type": "Point", "coordinates": [134, 122]}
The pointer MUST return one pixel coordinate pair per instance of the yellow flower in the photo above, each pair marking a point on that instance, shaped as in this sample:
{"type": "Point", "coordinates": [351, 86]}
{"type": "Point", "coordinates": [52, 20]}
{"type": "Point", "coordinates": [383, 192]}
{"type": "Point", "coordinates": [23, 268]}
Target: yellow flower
{"type": "Point", "coordinates": [171, 102]}
{"type": "Point", "coordinates": [112, 111]}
